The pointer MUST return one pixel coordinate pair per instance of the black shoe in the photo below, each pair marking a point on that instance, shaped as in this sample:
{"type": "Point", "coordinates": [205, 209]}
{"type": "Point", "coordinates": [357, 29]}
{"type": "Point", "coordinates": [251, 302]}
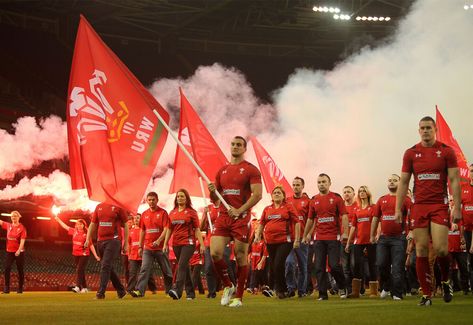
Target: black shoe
{"type": "Point", "coordinates": [465, 292]}
{"type": "Point", "coordinates": [212, 295]}
{"type": "Point", "coordinates": [121, 294]}
{"type": "Point", "coordinates": [302, 295]}
{"type": "Point", "coordinates": [425, 301]}
{"type": "Point", "coordinates": [135, 293]}
{"type": "Point", "coordinates": [282, 295]}
{"type": "Point", "coordinates": [447, 291]}
{"type": "Point", "coordinates": [19, 291]}
{"type": "Point", "coordinates": [5, 292]}
{"type": "Point", "coordinates": [268, 293]}
{"type": "Point", "coordinates": [154, 292]}
{"type": "Point", "coordinates": [290, 294]}
{"type": "Point", "coordinates": [99, 296]}
{"type": "Point", "coordinates": [322, 297]}
{"type": "Point", "coordinates": [173, 294]}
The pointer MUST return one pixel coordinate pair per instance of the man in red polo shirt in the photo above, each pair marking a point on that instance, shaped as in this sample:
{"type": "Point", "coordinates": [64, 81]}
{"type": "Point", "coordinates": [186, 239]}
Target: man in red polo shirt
{"type": "Point", "coordinates": [107, 220]}
{"type": "Point", "coordinates": [240, 185]}
{"type": "Point", "coordinates": [327, 210]}
{"type": "Point", "coordinates": [154, 224]}
{"type": "Point", "coordinates": [433, 164]}
{"type": "Point", "coordinates": [391, 245]}
{"type": "Point", "coordinates": [467, 214]}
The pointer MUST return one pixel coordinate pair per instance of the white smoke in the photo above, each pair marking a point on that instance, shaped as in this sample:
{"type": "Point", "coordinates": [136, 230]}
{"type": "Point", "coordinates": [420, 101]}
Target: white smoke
{"type": "Point", "coordinates": [31, 143]}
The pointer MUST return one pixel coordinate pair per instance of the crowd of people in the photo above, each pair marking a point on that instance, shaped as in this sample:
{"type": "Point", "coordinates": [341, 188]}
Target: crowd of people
{"type": "Point", "coordinates": [404, 243]}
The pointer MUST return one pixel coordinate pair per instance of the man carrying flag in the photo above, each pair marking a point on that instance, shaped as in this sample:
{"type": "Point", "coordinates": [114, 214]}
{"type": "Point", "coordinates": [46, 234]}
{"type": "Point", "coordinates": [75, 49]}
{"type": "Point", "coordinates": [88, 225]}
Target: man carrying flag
{"type": "Point", "coordinates": [240, 185]}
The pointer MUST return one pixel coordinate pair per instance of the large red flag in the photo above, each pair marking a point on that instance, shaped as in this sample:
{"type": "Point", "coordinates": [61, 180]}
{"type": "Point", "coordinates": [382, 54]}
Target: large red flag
{"type": "Point", "coordinates": [445, 135]}
{"type": "Point", "coordinates": [272, 175]}
{"type": "Point", "coordinates": [201, 145]}
{"type": "Point", "coordinates": [114, 137]}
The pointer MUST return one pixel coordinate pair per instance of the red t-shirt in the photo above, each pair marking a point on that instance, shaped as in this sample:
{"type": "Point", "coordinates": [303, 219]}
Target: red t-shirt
{"type": "Point", "coordinates": [14, 235]}
{"type": "Point", "coordinates": [234, 183]}
{"type": "Point", "coordinates": [134, 243]}
{"type": "Point", "coordinates": [183, 225]}
{"type": "Point", "coordinates": [258, 250]}
{"type": "Point", "coordinates": [78, 240]}
{"type": "Point", "coordinates": [301, 204]}
{"type": "Point", "coordinates": [196, 258]}
{"type": "Point", "coordinates": [153, 224]}
{"type": "Point", "coordinates": [279, 223]}
{"type": "Point", "coordinates": [454, 240]}
{"type": "Point", "coordinates": [326, 211]}
{"type": "Point", "coordinates": [213, 213]}
{"type": "Point", "coordinates": [362, 222]}
{"type": "Point", "coordinates": [109, 220]}
{"type": "Point", "coordinates": [467, 207]}
{"type": "Point", "coordinates": [430, 168]}
{"type": "Point", "coordinates": [384, 210]}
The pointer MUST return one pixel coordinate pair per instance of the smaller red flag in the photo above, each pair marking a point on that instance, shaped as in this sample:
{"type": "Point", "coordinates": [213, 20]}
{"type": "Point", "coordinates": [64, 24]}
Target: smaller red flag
{"type": "Point", "coordinates": [445, 135]}
{"type": "Point", "coordinates": [272, 175]}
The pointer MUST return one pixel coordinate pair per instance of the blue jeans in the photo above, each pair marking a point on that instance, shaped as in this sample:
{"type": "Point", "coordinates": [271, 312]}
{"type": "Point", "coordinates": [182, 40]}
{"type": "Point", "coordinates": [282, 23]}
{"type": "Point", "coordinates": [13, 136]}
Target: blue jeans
{"type": "Point", "coordinates": [301, 255]}
{"type": "Point", "coordinates": [390, 258]}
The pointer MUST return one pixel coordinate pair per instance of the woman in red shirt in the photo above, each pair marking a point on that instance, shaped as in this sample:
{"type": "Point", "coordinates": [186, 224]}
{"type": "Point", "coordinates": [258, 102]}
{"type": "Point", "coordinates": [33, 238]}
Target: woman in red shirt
{"type": "Point", "coordinates": [277, 222]}
{"type": "Point", "coordinates": [361, 227]}
{"type": "Point", "coordinates": [16, 236]}
{"type": "Point", "coordinates": [81, 254]}
{"type": "Point", "coordinates": [184, 229]}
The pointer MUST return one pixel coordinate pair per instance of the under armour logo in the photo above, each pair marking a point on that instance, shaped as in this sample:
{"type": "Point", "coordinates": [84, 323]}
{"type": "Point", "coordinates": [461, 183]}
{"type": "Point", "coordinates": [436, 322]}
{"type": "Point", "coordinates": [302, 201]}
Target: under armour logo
{"type": "Point", "coordinates": [438, 153]}
{"type": "Point", "coordinates": [224, 172]}
{"type": "Point", "coordinates": [331, 201]}
{"type": "Point", "coordinates": [418, 155]}
{"type": "Point", "coordinates": [242, 170]}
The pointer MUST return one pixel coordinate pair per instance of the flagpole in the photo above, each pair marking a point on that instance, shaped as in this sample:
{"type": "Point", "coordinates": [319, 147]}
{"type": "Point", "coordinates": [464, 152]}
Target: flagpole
{"type": "Point", "coordinates": [183, 148]}
{"type": "Point", "coordinates": [211, 226]}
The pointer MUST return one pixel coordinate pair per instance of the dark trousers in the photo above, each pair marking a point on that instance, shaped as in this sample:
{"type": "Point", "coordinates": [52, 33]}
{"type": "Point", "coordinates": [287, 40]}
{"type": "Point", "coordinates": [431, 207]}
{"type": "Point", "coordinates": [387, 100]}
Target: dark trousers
{"type": "Point", "coordinates": [346, 260]}
{"type": "Point", "coordinates": [183, 274]}
{"type": "Point", "coordinates": [462, 262]}
{"type": "Point", "coordinates": [259, 278]}
{"type": "Point", "coordinates": [126, 267]}
{"type": "Point", "coordinates": [390, 258]}
{"type": "Point", "coordinates": [81, 264]}
{"type": "Point", "coordinates": [209, 272]}
{"type": "Point", "coordinates": [109, 250]}
{"type": "Point", "coordinates": [20, 265]}
{"type": "Point", "coordinates": [310, 268]}
{"type": "Point", "coordinates": [277, 255]}
{"type": "Point", "coordinates": [412, 272]}
{"type": "Point", "coordinates": [135, 267]}
{"type": "Point", "coordinates": [330, 249]}
{"type": "Point", "coordinates": [468, 235]}
{"type": "Point", "coordinates": [196, 277]}
{"type": "Point", "coordinates": [149, 256]}
{"type": "Point", "coordinates": [359, 261]}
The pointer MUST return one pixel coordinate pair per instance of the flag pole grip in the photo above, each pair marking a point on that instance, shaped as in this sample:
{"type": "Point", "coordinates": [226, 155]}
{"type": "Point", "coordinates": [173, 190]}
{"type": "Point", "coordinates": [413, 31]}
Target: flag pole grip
{"type": "Point", "coordinates": [183, 148]}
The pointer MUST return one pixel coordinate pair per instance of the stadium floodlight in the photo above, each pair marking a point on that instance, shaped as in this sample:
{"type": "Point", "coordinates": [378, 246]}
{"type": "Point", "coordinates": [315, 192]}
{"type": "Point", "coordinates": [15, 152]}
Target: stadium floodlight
{"type": "Point", "coordinates": [325, 9]}
{"type": "Point", "coordinates": [375, 18]}
{"type": "Point", "coordinates": [387, 18]}
{"type": "Point", "coordinates": [381, 18]}
{"type": "Point", "coordinates": [337, 10]}
{"type": "Point", "coordinates": [471, 6]}
{"type": "Point", "coordinates": [370, 18]}
{"type": "Point", "coordinates": [363, 18]}
{"type": "Point", "coordinates": [358, 18]}
{"type": "Point", "coordinates": [314, 8]}
{"type": "Point", "coordinates": [336, 17]}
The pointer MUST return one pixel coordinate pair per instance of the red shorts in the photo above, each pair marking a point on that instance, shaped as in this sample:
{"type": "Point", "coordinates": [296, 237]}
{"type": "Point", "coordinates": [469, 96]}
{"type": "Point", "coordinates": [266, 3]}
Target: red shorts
{"type": "Point", "coordinates": [238, 229]}
{"type": "Point", "coordinates": [423, 214]}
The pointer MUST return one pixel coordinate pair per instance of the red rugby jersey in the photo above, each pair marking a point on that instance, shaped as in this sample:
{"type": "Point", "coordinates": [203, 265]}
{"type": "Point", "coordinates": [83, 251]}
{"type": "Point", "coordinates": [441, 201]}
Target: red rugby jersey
{"type": "Point", "coordinates": [134, 243]}
{"type": "Point", "coordinates": [258, 250]}
{"type": "Point", "coordinates": [153, 224]}
{"type": "Point", "coordinates": [429, 165]}
{"type": "Point", "coordinates": [183, 225]}
{"type": "Point", "coordinates": [109, 219]}
{"type": "Point", "coordinates": [214, 212]}
{"type": "Point", "coordinates": [196, 258]}
{"type": "Point", "coordinates": [14, 235]}
{"type": "Point", "coordinates": [467, 207]}
{"type": "Point", "coordinates": [301, 204]}
{"type": "Point", "coordinates": [234, 183]}
{"type": "Point", "coordinates": [78, 240]}
{"type": "Point", "coordinates": [279, 223]}
{"type": "Point", "coordinates": [384, 210]}
{"type": "Point", "coordinates": [327, 211]}
{"type": "Point", "coordinates": [362, 222]}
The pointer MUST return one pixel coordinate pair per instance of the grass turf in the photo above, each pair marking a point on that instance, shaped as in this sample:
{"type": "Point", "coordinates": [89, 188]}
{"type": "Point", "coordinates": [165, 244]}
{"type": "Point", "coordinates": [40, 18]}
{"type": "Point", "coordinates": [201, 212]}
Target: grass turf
{"type": "Point", "coordinates": [70, 308]}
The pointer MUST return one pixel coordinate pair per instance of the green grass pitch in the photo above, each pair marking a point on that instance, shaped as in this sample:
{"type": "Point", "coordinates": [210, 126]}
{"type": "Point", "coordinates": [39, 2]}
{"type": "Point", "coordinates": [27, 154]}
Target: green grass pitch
{"type": "Point", "coordinates": [69, 308]}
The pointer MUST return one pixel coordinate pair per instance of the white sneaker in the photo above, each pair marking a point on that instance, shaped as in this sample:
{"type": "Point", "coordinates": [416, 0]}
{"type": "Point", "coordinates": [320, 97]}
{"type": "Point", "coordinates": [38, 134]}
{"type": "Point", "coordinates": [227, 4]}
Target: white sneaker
{"type": "Point", "coordinates": [397, 298]}
{"type": "Point", "coordinates": [236, 302]}
{"type": "Point", "coordinates": [343, 293]}
{"type": "Point", "coordinates": [227, 295]}
{"type": "Point", "coordinates": [76, 289]}
{"type": "Point", "coordinates": [84, 290]}
{"type": "Point", "coordinates": [384, 294]}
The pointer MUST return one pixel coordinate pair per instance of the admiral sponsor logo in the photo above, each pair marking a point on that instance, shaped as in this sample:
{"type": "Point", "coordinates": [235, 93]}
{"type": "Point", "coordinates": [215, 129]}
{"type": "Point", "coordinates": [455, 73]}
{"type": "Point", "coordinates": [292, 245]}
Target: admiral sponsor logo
{"type": "Point", "coordinates": [105, 224]}
{"type": "Point", "coordinates": [389, 218]}
{"type": "Point", "coordinates": [454, 233]}
{"type": "Point", "coordinates": [364, 219]}
{"type": "Point", "coordinates": [468, 208]}
{"type": "Point", "coordinates": [428, 177]}
{"type": "Point", "coordinates": [326, 219]}
{"type": "Point", "coordinates": [78, 243]}
{"type": "Point", "coordinates": [231, 191]}
{"type": "Point", "coordinates": [178, 222]}
{"type": "Point", "coordinates": [152, 230]}
{"type": "Point", "coordinates": [256, 254]}
{"type": "Point", "coordinates": [274, 216]}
